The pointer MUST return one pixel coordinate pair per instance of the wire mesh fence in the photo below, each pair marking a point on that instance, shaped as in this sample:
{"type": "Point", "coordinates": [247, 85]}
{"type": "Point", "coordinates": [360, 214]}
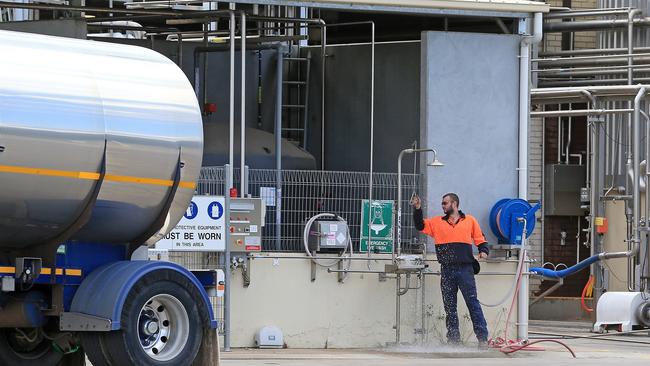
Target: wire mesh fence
{"type": "Point", "coordinates": [305, 193]}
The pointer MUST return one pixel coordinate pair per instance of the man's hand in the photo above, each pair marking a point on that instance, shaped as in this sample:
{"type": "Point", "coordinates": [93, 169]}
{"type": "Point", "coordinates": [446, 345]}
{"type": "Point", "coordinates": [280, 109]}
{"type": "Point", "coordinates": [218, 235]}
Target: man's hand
{"type": "Point", "coordinates": [415, 201]}
{"type": "Point", "coordinates": [482, 255]}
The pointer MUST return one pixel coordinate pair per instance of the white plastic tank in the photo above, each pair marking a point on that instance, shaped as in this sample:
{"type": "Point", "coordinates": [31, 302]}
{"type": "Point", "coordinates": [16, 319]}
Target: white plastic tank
{"type": "Point", "coordinates": [87, 123]}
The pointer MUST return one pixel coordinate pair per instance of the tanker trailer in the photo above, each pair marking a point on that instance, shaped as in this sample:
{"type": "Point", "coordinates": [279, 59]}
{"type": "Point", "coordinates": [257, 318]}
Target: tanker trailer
{"type": "Point", "coordinates": [100, 150]}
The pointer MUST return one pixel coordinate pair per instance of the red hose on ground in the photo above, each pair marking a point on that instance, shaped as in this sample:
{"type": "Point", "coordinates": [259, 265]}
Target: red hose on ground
{"type": "Point", "coordinates": [519, 348]}
{"type": "Point", "coordinates": [508, 346]}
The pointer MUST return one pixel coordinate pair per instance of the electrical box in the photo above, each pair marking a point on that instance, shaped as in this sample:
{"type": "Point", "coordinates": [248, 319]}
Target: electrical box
{"type": "Point", "coordinates": [269, 337]}
{"type": "Point", "coordinates": [563, 190]}
{"type": "Point", "coordinates": [327, 235]}
{"type": "Point", "coordinates": [246, 221]}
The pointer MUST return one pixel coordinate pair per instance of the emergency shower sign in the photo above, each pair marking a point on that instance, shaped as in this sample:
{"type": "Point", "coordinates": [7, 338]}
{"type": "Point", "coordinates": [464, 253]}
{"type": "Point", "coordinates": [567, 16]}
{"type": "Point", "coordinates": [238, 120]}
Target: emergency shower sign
{"type": "Point", "coordinates": [380, 228]}
{"type": "Point", "coordinates": [202, 227]}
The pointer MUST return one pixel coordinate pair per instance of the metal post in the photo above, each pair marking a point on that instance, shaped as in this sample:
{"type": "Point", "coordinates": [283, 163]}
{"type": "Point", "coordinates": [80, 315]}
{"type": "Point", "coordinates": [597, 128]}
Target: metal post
{"type": "Point", "coordinates": [242, 151]}
{"type": "Point", "coordinates": [397, 310]}
{"type": "Point", "coordinates": [226, 292]}
{"type": "Point", "coordinates": [278, 150]}
{"type": "Point", "coordinates": [323, 57]}
{"type": "Point", "coordinates": [231, 130]}
{"type": "Point", "coordinates": [180, 50]}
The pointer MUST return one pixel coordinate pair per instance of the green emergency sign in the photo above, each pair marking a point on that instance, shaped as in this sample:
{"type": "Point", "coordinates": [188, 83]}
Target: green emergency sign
{"type": "Point", "coordinates": [380, 230]}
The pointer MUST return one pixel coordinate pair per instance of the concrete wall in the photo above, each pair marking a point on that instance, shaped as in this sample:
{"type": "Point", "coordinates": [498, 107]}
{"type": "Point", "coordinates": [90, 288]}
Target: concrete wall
{"type": "Point", "coordinates": [469, 113]}
{"type": "Point", "coordinates": [357, 313]}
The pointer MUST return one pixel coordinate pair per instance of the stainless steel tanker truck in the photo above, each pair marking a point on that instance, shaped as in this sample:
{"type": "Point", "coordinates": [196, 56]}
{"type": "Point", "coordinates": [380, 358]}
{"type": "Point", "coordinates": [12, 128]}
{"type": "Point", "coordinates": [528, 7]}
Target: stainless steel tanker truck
{"type": "Point", "coordinates": [100, 150]}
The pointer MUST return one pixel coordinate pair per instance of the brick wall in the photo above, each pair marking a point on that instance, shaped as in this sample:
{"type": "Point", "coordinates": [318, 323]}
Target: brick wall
{"type": "Point", "coordinates": [553, 225]}
{"type": "Point", "coordinates": [581, 40]}
{"type": "Point", "coordinates": [554, 251]}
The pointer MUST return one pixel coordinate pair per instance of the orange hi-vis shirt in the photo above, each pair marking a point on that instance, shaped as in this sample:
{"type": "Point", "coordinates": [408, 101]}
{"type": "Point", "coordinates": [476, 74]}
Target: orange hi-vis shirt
{"type": "Point", "coordinates": [454, 242]}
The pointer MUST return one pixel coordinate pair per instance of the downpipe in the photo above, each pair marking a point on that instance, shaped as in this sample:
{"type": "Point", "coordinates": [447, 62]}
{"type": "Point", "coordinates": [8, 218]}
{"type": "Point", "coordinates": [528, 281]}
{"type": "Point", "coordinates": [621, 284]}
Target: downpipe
{"type": "Point", "coordinates": [524, 115]}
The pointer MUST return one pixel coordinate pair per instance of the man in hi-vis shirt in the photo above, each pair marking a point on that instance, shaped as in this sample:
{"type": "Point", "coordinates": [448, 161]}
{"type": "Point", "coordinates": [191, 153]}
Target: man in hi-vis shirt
{"type": "Point", "coordinates": [455, 234]}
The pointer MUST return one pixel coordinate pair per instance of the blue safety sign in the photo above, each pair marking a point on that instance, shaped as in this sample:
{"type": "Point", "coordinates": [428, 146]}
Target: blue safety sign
{"type": "Point", "coordinates": [215, 210]}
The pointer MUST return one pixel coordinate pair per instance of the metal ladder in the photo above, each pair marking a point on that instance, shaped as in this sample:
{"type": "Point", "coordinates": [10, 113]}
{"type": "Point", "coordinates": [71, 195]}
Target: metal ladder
{"type": "Point", "coordinates": [295, 104]}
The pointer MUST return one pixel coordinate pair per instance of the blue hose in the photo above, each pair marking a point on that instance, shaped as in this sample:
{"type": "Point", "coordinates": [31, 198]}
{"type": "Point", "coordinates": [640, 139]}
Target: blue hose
{"type": "Point", "coordinates": [565, 272]}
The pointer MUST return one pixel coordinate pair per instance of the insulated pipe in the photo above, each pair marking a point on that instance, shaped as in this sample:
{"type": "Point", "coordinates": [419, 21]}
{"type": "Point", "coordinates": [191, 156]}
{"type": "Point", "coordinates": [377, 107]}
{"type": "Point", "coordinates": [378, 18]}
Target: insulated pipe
{"type": "Point", "coordinates": [647, 169]}
{"type": "Point", "coordinates": [588, 25]}
{"type": "Point", "coordinates": [579, 112]}
{"type": "Point", "coordinates": [585, 82]}
{"type": "Point", "coordinates": [583, 13]}
{"type": "Point", "coordinates": [636, 146]}
{"type": "Point", "coordinates": [591, 51]}
{"type": "Point", "coordinates": [568, 137]}
{"type": "Point", "coordinates": [589, 72]}
{"type": "Point", "coordinates": [242, 152]}
{"type": "Point", "coordinates": [630, 42]}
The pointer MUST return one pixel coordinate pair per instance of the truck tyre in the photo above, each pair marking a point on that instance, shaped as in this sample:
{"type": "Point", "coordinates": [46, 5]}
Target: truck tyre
{"type": "Point", "coordinates": [25, 348]}
{"type": "Point", "coordinates": [92, 345]}
{"type": "Point", "coordinates": [73, 359]}
{"type": "Point", "coordinates": [161, 323]}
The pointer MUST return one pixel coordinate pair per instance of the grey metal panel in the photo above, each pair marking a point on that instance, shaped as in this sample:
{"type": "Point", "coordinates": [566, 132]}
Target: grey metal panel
{"type": "Point", "coordinates": [470, 115]}
{"type": "Point", "coordinates": [60, 100]}
{"type": "Point", "coordinates": [72, 28]}
{"type": "Point", "coordinates": [562, 189]}
{"type": "Point", "coordinates": [347, 105]}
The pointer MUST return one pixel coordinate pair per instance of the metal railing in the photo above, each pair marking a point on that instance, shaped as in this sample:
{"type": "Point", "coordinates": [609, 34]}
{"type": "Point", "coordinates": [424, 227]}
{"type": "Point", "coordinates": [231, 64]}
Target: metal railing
{"type": "Point", "coordinates": [306, 193]}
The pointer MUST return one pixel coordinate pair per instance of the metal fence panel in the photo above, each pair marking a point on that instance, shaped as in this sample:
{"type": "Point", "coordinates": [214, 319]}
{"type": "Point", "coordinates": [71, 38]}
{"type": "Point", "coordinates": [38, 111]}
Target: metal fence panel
{"type": "Point", "coordinates": [306, 193]}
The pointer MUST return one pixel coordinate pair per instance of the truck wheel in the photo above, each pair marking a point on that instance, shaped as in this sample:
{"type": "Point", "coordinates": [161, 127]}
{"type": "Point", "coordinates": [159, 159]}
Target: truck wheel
{"type": "Point", "coordinates": [26, 347]}
{"type": "Point", "coordinates": [160, 324]}
{"type": "Point", "coordinates": [73, 359]}
{"type": "Point", "coordinates": [92, 345]}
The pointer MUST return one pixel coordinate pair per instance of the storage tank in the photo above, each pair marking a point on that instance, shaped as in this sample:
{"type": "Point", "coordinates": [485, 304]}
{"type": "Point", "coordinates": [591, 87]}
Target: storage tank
{"type": "Point", "coordinates": [95, 128]}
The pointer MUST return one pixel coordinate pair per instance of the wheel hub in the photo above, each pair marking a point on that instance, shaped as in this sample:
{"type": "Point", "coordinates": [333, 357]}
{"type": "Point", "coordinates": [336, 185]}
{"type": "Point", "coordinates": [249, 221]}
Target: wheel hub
{"type": "Point", "coordinates": [163, 327]}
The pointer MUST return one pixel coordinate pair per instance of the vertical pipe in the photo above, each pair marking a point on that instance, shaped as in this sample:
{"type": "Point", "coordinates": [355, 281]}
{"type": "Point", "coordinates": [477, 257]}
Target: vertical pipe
{"type": "Point", "coordinates": [568, 137]}
{"type": "Point", "coordinates": [228, 277]}
{"type": "Point", "coordinates": [647, 170]}
{"type": "Point", "coordinates": [323, 57]}
{"type": "Point", "coordinates": [180, 50]}
{"type": "Point", "coordinates": [578, 241]}
{"type": "Point", "coordinates": [524, 114]}
{"type": "Point", "coordinates": [397, 310]}
{"type": "Point", "coordinates": [560, 135]}
{"type": "Point", "coordinates": [398, 231]}
{"type": "Point", "coordinates": [231, 130]}
{"type": "Point", "coordinates": [422, 311]}
{"type": "Point", "coordinates": [630, 43]}
{"type": "Point", "coordinates": [242, 151]}
{"type": "Point", "coordinates": [635, 182]}
{"type": "Point", "coordinates": [278, 149]}
{"type": "Point", "coordinates": [372, 133]}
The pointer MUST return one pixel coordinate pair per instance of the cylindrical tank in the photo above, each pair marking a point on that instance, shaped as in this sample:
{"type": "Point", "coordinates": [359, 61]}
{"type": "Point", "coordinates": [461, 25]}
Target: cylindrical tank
{"type": "Point", "coordinates": [72, 109]}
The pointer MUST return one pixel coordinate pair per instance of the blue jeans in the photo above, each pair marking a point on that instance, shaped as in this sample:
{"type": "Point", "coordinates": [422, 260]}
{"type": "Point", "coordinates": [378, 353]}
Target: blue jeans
{"type": "Point", "coordinates": [452, 278]}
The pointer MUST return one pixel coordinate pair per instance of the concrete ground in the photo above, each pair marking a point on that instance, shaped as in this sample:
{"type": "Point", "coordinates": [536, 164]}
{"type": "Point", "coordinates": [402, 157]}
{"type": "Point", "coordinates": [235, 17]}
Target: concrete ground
{"type": "Point", "coordinates": [606, 350]}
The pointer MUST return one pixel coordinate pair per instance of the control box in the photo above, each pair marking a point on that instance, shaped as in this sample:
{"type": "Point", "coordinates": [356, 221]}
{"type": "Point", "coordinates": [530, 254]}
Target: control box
{"type": "Point", "coordinates": [327, 235]}
{"type": "Point", "coordinates": [246, 221]}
